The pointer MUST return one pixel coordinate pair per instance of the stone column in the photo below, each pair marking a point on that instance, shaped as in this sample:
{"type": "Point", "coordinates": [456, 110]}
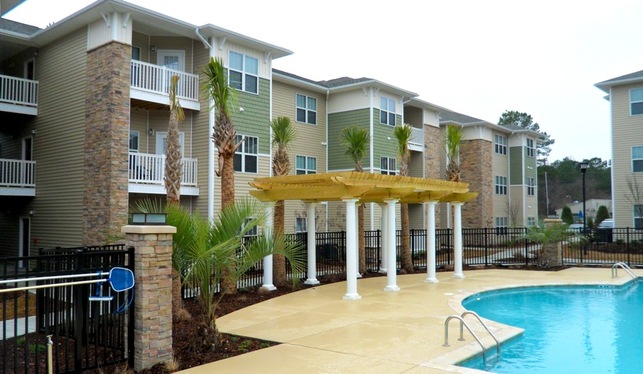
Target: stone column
{"type": "Point", "coordinates": [152, 293]}
{"type": "Point", "coordinates": [312, 245]}
{"type": "Point", "coordinates": [552, 252]}
{"type": "Point", "coordinates": [351, 251]}
{"type": "Point", "coordinates": [268, 284]}
{"type": "Point", "coordinates": [457, 239]}
{"type": "Point", "coordinates": [391, 274]}
{"type": "Point", "coordinates": [430, 243]}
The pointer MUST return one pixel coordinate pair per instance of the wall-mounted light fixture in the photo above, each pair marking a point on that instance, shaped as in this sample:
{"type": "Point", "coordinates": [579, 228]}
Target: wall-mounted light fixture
{"type": "Point", "coordinates": [323, 143]}
{"type": "Point", "coordinates": [34, 132]}
{"type": "Point", "coordinates": [241, 109]}
{"type": "Point", "coordinates": [153, 48]}
{"type": "Point", "coordinates": [31, 212]}
{"type": "Point", "coordinates": [150, 132]}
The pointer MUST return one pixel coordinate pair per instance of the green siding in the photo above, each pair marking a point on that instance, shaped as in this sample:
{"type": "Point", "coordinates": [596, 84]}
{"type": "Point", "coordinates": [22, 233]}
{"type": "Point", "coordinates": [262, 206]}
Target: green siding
{"type": "Point", "coordinates": [382, 146]}
{"type": "Point", "coordinates": [337, 122]}
{"type": "Point", "coordinates": [255, 118]}
{"type": "Point", "coordinates": [515, 165]}
{"type": "Point", "coordinates": [530, 167]}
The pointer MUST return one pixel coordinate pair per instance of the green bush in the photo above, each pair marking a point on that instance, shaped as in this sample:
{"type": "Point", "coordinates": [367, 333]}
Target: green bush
{"type": "Point", "coordinates": [602, 214]}
{"type": "Point", "coordinates": [567, 216]}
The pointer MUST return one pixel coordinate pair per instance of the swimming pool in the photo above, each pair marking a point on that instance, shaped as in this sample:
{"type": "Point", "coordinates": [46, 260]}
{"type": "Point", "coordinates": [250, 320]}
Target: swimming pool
{"type": "Point", "coordinates": [581, 329]}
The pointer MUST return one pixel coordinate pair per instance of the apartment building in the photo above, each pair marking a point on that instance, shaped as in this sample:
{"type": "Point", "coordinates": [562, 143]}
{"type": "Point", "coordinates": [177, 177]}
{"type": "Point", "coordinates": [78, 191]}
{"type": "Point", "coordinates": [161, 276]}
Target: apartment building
{"type": "Point", "coordinates": [498, 162]}
{"type": "Point", "coordinates": [625, 94]}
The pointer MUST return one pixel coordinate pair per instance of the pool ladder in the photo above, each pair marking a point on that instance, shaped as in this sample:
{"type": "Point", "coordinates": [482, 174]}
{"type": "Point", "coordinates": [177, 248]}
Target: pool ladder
{"type": "Point", "coordinates": [625, 267]}
{"type": "Point", "coordinates": [464, 324]}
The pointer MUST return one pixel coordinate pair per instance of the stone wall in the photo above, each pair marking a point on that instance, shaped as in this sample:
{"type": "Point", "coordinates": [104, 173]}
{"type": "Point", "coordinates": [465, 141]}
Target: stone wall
{"type": "Point", "coordinates": [432, 149]}
{"type": "Point", "coordinates": [476, 167]}
{"type": "Point", "coordinates": [107, 113]}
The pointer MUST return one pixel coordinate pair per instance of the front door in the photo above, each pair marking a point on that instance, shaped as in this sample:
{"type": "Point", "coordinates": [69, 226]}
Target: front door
{"type": "Point", "coordinates": [25, 238]}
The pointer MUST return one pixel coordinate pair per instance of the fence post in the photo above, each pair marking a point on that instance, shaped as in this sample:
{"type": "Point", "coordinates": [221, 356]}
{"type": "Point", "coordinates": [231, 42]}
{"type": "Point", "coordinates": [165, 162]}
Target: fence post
{"type": "Point", "coordinates": [153, 293]}
{"type": "Point", "coordinates": [486, 246]}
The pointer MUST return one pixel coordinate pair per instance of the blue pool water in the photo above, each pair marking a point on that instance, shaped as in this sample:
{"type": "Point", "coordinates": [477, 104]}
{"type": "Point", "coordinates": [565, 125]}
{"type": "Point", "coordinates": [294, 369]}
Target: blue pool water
{"type": "Point", "coordinates": [568, 329]}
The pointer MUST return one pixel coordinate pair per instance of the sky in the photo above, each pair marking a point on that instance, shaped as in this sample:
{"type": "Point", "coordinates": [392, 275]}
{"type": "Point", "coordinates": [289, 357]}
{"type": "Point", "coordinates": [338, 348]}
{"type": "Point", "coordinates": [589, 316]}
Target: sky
{"type": "Point", "coordinates": [478, 58]}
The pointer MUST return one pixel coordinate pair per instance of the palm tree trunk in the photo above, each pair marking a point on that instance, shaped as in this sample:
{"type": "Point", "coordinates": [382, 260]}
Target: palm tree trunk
{"type": "Point", "coordinates": [407, 259]}
{"type": "Point", "coordinates": [227, 199]}
{"type": "Point", "coordinates": [279, 261]}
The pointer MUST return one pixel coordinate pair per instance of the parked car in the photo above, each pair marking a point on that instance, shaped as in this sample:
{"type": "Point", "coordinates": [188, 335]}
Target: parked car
{"type": "Point", "coordinates": [604, 231]}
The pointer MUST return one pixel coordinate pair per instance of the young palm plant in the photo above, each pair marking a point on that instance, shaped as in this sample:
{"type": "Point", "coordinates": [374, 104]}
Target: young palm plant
{"type": "Point", "coordinates": [204, 251]}
{"type": "Point", "coordinates": [224, 136]}
{"type": "Point", "coordinates": [403, 136]}
{"type": "Point", "coordinates": [283, 133]}
{"type": "Point", "coordinates": [356, 140]}
{"type": "Point", "coordinates": [453, 138]}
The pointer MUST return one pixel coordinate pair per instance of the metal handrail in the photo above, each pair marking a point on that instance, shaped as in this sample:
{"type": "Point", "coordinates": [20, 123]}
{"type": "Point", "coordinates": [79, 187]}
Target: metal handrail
{"type": "Point", "coordinates": [462, 323]}
{"type": "Point", "coordinates": [625, 267]}
{"type": "Point", "coordinates": [469, 312]}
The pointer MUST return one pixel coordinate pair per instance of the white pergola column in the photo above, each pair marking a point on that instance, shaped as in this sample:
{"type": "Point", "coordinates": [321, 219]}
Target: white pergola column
{"type": "Point", "coordinates": [430, 243]}
{"type": "Point", "coordinates": [457, 239]}
{"type": "Point", "coordinates": [267, 261]}
{"type": "Point", "coordinates": [312, 245]}
{"type": "Point", "coordinates": [357, 273]}
{"type": "Point", "coordinates": [383, 241]}
{"type": "Point", "coordinates": [391, 274]}
{"type": "Point", "coordinates": [351, 251]}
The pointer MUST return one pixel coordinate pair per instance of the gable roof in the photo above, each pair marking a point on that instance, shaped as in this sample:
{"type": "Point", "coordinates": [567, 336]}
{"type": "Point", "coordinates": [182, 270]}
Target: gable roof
{"type": "Point", "coordinates": [635, 77]}
{"type": "Point", "coordinates": [449, 117]}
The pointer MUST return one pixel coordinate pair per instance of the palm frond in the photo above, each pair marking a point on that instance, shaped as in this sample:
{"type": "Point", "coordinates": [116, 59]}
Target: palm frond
{"type": "Point", "coordinates": [356, 140]}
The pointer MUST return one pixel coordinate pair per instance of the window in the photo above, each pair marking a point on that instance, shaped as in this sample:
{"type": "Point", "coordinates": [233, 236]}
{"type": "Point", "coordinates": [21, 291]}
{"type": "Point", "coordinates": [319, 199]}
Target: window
{"type": "Point", "coordinates": [387, 165]}
{"type": "Point", "coordinates": [251, 232]}
{"type": "Point", "coordinates": [136, 53]}
{"type": "Point", "coordinates": [636, 101]}
{"type": "Point", "coordinates": [301, 224]}
{"type": "Point", "coordinates": [501, 225]}
{"type": "Point", "coordinates": [133, 141]}
{"type": "Point", "coordinates": [306, 109]}
{"type": "Point", "coordinates": [637, 159]}
{"type": "Point", "coordinates": [387, 111]}
{"type": "Point", "coordinates": [638, 217]}
{"type": "Point", "coordinates": [531, 186]}
{"type": "Point", "coordinates": [501, 185]}
{"type": "Point", "coordinates": [305, 165]}
{"type": "Point", "coordinates": [500, 144]}
{"type": "Point", "coordinates": [243, 72]}
{"type": "Point", "coordinates": [246, 159]}
{"type": "Point", "coordinates": [531, 151]}
{"type": "Point", "coordinates": [531, 221]}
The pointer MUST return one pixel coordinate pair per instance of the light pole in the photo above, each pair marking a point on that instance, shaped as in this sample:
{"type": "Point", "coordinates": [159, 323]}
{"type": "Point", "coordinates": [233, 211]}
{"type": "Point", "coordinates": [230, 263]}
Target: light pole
{"type": "Point", "coordinates": [583, 168]}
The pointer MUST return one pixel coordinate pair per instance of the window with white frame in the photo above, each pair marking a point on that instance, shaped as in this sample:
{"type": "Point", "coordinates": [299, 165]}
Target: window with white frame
{"type": "Point", "coordinates": [133, 141]}
{"type": "Point", "coordinates": [636, 101]}
{"type": "Point", "coordinates": [301, 224]}
{"type": "Point", "coordinates": [387, 111]}
{"type": "Point", "coordinates": [306, 109]}
{"type": "Point", "coordinates": [387, 165]}
{"type": "Point", "coordinates": [501, 222]}
{"type": "Point", "coordinates": [531, 150]}
{"type": "Point", "coordinates": [246, 157]}
{"type": "Point", "coordinates": [501, 185]}
{"type": "Point", "coordinates": [500, 145]}
{"type": "Point", "coordinates": [638, 217]}
{"type": "Point", "coordinates": [531, 221]}
{"type": "Point", "coordinates": [305, 165]}
{"type": "Point", "coordinates": [251, 232]}
{"type": "Point", "coordinates": [243, 72]}
{"type": "Point", "coordinates": [637, 159]}
{"type": "Point", "coordinates": [531, 186]}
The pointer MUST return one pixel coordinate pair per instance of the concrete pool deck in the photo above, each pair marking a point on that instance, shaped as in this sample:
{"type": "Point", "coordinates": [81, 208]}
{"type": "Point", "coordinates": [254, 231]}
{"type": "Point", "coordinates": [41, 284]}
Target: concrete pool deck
{"type": "Point", "coordinates": [383, 332]}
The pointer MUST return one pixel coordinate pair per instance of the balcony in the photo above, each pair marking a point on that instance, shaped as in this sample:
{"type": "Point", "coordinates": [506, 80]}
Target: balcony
{"type": "Point", "coordinates": [18, 95]}
{"type": "Point", "coordinates": [151, 83]}
{"type": "Point", "coordinates": [17, 178]}
{"type": "Point", "coordinates": [147, 173]}
{"type": "Point", "coordinates": [416, 143]}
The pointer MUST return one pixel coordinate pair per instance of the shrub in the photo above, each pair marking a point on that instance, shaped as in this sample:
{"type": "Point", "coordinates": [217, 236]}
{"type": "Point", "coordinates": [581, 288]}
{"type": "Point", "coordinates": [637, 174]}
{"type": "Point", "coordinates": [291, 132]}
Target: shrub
{"type": "Point", "coordinates": [601, 214]}
{"type": "Point", "coordinates": [567, 216]}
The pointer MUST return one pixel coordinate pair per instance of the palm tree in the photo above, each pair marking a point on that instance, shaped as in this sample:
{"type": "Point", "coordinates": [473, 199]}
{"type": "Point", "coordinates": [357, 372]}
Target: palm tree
{"type": "Point", "coordinates": [403, 135]}
{"type": "Point", "coordinates": [356, 140]}
{"type": "Point", "coordinates": [173, 175]}
{"type": "Point", "coordinates": [224, 136]}
{"type": "Point", "coordinates": [205, 249]}
{"type": "Point", "coordinates": [283, 133]}
{"type": "Point", "coordinates": [453, 137]}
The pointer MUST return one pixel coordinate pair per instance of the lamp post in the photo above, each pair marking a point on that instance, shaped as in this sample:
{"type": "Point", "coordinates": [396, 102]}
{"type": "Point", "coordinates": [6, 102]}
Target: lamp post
{"type": "Point", "coordinates": [583, 168]}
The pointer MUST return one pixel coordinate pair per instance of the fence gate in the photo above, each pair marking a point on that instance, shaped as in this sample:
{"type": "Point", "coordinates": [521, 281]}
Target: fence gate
{"type": "Point", "coordinates": [83, 334]}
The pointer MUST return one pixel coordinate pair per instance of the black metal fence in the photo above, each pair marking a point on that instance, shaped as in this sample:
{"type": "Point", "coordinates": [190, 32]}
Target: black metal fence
{"type": "Point", "coordinates": [85, 334]}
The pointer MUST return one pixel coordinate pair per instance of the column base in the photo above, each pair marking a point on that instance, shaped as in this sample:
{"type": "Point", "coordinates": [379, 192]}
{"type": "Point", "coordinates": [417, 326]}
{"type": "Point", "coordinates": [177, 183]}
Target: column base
{"type": "Point", "coordinates": [431, 280]}
{"type": "Point", "coordinates": [383, 271]}
{"type": "Point", "coordinates": [458, 275]}
{"type": "Point", "coordinates": [352, 296]}
{"type": "Point", "coordinates": [359, 275]}
{"type": "Point", "coordinates": [311, 282]}
{"type": "Point", "coordinates": [393, 288]}
{"type": "Point", "coordinates": [269, 287]}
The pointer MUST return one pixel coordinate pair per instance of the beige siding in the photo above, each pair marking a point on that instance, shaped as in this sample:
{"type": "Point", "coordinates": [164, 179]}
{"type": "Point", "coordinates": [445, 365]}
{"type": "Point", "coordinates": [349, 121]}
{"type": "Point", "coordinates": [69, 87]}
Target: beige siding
{"type": "Point", "coordinates": [349, 101]}
{"type": "Point", "coordinates": [626, 133]}
{"type": "Point", "coordinates": [142, 41]}
{"type": "Point", "coordinates": [61, 119]}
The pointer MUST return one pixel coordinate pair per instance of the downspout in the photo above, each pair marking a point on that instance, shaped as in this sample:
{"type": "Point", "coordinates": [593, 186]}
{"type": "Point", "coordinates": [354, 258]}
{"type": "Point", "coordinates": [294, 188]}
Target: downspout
{"type": "Point", "coordinates": [327, 100]}
{"type": "Point", "coordinates": [210, 163]}
{"type": "Point", "coordinates": [371, 150]}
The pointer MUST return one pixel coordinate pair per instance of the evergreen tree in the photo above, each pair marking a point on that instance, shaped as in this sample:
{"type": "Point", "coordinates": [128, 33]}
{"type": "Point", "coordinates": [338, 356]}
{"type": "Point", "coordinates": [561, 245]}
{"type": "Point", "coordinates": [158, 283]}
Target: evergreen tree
{"type": "Point", "coordinates": [567, 216]}
{"type": "Point", "coordinates": [601, 214]}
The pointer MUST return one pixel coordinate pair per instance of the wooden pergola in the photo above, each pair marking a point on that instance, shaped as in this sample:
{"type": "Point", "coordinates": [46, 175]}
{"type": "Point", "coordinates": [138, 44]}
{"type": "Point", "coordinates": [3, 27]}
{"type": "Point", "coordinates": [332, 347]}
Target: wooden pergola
{"type": "Point", "coordinates": [352, 187]}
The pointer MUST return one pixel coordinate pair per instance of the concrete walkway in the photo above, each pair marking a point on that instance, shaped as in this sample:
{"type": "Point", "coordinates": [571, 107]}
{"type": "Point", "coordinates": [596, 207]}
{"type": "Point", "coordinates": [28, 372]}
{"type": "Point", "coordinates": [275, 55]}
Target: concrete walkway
{"type": "Point", "coordinates": [384, 332]}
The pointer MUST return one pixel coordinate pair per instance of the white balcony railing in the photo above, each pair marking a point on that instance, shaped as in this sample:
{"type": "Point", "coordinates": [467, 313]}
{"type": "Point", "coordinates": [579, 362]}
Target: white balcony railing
{"type": "Point", "coordinates": [18, 91]}
{"type": "Point", "coordinates": [417, 137]}
{"type": "Point", "coordinates": [156, 79]}
{"type": "Point", "coordinates": [145, 168]}
{"type": "Point", "coordinates": [17, 173]}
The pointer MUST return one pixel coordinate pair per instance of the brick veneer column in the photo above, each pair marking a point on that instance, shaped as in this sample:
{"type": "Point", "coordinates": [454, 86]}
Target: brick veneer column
{"type": "Point", "coordinates": [107, 113]}
{"type": "Point", "coordinates": [476, 167]}
{"type": "Point", "coordinates": [153, 293]}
